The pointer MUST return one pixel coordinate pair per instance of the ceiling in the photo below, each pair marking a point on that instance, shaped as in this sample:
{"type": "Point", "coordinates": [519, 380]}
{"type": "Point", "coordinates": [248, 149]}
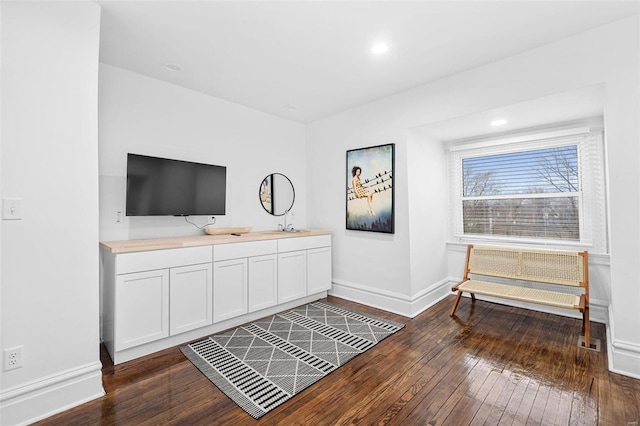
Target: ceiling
{"type": "Point", "coordinates": [584, 105]}
{"type": "Point", "coordinates": [305, 60]}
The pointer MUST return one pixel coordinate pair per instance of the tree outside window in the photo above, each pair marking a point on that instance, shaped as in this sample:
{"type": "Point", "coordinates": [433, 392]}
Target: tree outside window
{"type": "Point", "coordinates": [532, 194]}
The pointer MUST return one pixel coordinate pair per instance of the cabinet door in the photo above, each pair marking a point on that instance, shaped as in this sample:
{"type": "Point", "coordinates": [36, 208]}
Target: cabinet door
{"type": "Point", "coordinates": [229, 289]}
{"type": "Point", "coordinates": [191, 296]}
{"type": "Point", "coordinates": [318, 270]}
{"type": "Point", "coordinates": [292, 275]}
{"type": "Point", "coordinates": [142, 308]}
{"type": "Point", "coordinates": [263, 282]}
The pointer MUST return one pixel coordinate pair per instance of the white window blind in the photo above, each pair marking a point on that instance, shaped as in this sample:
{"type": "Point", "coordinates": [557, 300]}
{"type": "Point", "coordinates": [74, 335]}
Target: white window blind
{"type": "Point", "coordinates": [545, 190]}
{"type": "Point", "coordinates": [534, 193]}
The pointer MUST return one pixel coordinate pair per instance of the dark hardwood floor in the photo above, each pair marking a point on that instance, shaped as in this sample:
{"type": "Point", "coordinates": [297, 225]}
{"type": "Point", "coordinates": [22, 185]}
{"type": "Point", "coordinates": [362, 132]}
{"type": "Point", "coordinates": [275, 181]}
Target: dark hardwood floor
{"type": "Point", "coordinates": [490, 365]}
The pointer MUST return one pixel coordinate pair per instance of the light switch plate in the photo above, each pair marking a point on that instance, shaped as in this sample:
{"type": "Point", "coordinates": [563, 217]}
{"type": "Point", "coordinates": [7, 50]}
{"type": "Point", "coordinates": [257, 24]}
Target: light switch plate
{"type": "Point", "coordinates": [12, 208]}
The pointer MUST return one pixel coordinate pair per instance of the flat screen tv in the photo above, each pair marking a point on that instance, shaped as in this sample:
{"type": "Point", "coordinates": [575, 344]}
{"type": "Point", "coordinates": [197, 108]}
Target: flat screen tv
{"type": "Point", "coordinates": [162, 187]}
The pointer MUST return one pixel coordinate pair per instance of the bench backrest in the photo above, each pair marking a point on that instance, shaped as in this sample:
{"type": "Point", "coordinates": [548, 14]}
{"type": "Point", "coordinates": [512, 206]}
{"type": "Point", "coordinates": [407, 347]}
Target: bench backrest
{"type": "Point", "coordinates": [554, 267]}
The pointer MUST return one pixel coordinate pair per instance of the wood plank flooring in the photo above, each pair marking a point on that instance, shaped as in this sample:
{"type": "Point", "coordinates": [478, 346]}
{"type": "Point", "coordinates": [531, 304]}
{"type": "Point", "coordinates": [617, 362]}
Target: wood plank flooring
{"type": "Point", "coordinates": [489, 365]}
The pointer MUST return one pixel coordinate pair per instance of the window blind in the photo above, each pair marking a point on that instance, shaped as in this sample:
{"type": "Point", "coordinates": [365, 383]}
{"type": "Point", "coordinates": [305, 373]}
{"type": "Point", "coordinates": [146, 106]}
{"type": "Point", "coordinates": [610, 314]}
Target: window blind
{"type": "Point", "coordinates": [533, 193]}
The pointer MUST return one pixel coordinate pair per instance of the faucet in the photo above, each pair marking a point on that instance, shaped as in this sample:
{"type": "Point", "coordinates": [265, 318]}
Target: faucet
{"type": "Point", "coordinates": [286, 228]}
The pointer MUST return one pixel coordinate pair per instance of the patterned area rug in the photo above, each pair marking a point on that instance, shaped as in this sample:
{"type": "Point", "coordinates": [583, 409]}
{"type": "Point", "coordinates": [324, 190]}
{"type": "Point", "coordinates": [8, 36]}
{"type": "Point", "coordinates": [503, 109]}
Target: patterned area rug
{"type": "Point", "coordinates": [262, 364]}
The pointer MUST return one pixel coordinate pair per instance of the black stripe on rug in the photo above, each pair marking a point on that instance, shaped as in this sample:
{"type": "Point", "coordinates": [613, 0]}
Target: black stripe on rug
{"type": "Point", "coordinates": [262, 364]}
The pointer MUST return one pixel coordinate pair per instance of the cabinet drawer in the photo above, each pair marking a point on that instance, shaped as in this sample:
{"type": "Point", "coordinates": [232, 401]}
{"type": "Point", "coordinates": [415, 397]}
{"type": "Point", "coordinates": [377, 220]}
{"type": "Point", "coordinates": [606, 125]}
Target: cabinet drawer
{"type": "Point", "coordinates": [162, 259]}
{"type": "Point", "coordinates": [238, 250]}
{"type": "Point", "coordinates": [303, 243]}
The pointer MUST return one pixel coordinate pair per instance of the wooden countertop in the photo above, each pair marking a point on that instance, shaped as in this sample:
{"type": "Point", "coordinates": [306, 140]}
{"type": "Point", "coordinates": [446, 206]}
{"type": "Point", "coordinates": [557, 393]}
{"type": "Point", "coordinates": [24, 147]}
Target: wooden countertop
{"type": "Point", "coordinates": [127, 246]}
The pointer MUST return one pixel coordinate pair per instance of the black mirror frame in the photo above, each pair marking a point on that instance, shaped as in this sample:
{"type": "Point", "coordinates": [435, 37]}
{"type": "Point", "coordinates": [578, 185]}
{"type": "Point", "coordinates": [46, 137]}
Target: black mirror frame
{"type": "Point", "coordinates": [266, 196]}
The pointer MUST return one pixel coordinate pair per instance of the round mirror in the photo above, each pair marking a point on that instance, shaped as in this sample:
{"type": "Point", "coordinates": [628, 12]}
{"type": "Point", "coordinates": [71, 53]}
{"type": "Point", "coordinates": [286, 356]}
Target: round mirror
{"type": "Point", "coordinates": [277, 194]}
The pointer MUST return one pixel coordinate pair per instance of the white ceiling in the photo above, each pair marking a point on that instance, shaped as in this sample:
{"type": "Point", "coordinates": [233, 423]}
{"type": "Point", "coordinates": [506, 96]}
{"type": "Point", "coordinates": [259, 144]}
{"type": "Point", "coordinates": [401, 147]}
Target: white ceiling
{"type": "Point", "coordinates": [576, 106]}
{"type": "Point", "coordinates": [305, 60]}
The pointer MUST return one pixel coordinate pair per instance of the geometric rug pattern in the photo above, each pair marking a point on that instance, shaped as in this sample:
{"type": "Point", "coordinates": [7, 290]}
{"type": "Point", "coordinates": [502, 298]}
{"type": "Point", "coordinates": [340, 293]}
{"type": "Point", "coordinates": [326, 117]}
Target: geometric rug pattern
{"type": "Point", "coordinates": [262, 364]}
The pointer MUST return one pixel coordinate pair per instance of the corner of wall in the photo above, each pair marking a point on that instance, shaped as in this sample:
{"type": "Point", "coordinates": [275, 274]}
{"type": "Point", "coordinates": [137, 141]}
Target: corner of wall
{"type": "Point", "coordinates": [624, 357]}
{"type": "Point", "coordinates": [407, 306]}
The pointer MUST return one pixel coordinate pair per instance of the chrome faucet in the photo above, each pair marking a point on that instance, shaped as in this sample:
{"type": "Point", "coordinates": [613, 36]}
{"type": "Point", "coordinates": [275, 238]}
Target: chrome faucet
{"type": "Point", "coordinates": [285, 228]}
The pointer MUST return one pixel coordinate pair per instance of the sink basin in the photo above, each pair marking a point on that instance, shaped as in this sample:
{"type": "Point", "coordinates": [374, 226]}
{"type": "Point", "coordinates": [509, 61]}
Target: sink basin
{"type": "Point", "coordinates": [289, 231]}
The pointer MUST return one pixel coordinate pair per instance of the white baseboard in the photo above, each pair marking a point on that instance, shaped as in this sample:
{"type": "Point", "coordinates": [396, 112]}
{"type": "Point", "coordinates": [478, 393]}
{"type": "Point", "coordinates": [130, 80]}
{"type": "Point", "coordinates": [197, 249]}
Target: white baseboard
{"type": "Point", "coordinates": [390, 301]}
{"type": "Point", "coordinates": [45, 397]}
{"type": "Point", "coordinates": [428, 297]}
{"type": "Point", "coordinates": [411, 306]}
{"type": "Point", "coordinates": [624, 357]}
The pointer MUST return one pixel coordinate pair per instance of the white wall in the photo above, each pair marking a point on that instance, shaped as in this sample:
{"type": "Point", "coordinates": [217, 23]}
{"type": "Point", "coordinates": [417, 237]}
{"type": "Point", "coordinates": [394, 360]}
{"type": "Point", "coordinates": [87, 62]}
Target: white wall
{"type": "Point", "coordinates": [143, 115]}
{"type": "Point", "coordinates": [374, 269]}
{"type": "Point", "coordinates": [49, 277]}
{"type": "Point", "coordinates": [366, 265]}
{"type": "Point", "coordinates": [428, 210]}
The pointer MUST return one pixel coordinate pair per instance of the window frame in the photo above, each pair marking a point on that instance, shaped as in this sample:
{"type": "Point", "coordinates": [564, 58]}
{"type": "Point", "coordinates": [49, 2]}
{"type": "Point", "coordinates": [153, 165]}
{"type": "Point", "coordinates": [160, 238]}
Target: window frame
{"type": "Point", "coordinates": [591, 194]}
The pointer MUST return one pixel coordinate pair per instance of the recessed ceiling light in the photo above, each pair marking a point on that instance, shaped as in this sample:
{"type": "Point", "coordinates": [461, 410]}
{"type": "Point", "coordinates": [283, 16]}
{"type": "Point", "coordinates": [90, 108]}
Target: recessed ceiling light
{"type": "Point", "coordinates": [379, 48]}
{"type": "Point", "coordinates": [173, 67]}
{"type": "Point", "coordinates": [500, 122]}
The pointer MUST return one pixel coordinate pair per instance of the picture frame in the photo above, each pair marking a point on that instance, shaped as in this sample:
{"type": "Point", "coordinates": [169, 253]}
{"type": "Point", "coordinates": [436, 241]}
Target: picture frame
{"type": "Point", "coordinates": [370, 194]}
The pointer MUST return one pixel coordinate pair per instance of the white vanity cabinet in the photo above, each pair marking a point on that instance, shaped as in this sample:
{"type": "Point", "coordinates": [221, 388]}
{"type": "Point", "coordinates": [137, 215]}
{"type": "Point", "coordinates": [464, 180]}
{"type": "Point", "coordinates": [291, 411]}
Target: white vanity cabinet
{"type": "Point", "coordinates": [292, 275]}
{"type": "Point", "coordinates": [151, 295]}
{"type": "Point", "coordinates": [304, 266]}
{"type": "Point", "coordinates": [156, 294]}
{"type": "Point", "coordinates": [141, 308]}
{"type": "Point", "coordinates": [191, 297]}
{"type": "Point", "coordinates": [243, 275]}
{"type": "Point", "coordinates": [229, 289]}
{"type": "Point", "coordinates": [319, 269]}
{"type": "Point", "coordinates": [263, 282]}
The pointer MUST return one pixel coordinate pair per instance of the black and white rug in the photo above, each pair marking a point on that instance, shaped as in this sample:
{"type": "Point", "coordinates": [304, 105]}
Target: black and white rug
{"type": "Point", "coordinates": [262, 364]}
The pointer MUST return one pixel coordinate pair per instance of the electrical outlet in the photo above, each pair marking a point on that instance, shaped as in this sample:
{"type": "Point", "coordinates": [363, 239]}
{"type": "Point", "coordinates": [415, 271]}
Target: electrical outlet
{"type": "Point", "coordinates": [118, 217]}
{"type": "Point", "coordinates": [13, 358]}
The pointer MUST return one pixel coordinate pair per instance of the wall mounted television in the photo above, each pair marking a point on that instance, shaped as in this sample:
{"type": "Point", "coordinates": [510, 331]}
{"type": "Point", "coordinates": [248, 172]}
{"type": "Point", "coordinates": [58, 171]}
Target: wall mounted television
{"type": "Point", "coordinates": [166, 187]}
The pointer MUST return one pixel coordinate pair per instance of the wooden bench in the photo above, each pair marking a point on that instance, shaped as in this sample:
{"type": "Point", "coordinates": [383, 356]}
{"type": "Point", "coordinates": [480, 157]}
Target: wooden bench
{"type": "Point", "coordinates": [563, 269]}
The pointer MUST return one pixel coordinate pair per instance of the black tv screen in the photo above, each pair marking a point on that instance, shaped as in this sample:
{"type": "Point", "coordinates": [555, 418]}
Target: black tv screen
{"type": "Point", "coordinates": [162, 186]}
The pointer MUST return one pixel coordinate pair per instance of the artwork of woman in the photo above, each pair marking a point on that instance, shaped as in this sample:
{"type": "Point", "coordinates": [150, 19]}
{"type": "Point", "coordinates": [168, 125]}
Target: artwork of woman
{"type": "Point", "coordinates": [369, 175]}
{"type": "Point", "coordinates": [360, 191]}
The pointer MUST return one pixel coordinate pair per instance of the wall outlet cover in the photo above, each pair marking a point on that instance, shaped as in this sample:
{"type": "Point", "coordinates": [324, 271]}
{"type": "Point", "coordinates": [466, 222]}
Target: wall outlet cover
{"type": "Point", "coordinates": [12, 358]}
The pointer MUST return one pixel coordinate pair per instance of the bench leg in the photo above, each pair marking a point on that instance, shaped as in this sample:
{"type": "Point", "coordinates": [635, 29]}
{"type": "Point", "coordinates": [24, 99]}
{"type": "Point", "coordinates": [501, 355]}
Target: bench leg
{"type": "Point", "coordinates": [455, 303]}
{"type": "Point", "coordinates": [586, 327]}
{"type": "Point", "coordinates": [473, 297]}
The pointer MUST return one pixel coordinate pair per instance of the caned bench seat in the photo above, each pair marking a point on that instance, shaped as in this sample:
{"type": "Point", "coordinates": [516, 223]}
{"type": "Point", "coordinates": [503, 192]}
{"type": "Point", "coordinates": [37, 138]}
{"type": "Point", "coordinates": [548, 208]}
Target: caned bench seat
{"type": "Point", "coordinates": [561, 269]}
{"type": "Point", "coordinates": [523, 294]}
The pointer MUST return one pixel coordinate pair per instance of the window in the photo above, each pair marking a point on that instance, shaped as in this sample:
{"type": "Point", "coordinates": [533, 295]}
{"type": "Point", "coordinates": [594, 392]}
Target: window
{"type": "Point", "coordinates": [544, 188]}
{"type": "Point", "coordinates": [525, 194]}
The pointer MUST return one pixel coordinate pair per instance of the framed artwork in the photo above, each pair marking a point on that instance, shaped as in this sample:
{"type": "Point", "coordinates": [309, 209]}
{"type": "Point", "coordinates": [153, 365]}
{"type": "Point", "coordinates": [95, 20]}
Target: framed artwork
{"type": "Point", "coordinates": [370, 195]}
